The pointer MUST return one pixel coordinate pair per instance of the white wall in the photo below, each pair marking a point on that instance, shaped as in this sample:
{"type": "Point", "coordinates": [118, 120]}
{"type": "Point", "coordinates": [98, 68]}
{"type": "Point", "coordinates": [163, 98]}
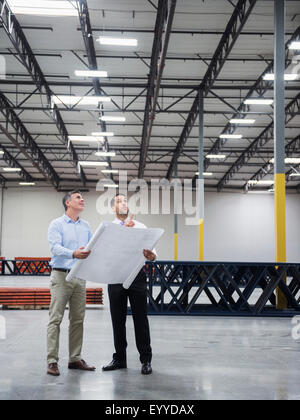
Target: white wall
{"type": "Point", "coordinates": [238, 227]}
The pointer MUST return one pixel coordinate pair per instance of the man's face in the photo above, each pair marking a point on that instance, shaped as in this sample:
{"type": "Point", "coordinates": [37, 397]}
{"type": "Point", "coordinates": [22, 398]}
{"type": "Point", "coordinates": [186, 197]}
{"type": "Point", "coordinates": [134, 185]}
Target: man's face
{"type": "Point", "coordinates": [76, 203]}
{"type": "Point", "coordinates": [121, 205]}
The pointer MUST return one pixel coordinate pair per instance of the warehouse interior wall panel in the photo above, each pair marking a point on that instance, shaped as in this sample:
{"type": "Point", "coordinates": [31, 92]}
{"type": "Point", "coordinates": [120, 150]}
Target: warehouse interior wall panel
{"type": "Point", "coordinates": [239, 227]}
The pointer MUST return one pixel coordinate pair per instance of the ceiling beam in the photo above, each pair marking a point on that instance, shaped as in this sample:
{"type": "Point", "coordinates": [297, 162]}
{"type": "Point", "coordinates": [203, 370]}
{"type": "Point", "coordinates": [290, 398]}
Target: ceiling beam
{"type": "Point", "coordinates": [25, 143]}
{"type": "Point", "coordinates": [194, 57]}
{"type": "Point", "coordinates": [178, 86]}
{"type": "Point", "coordinates": [25, 55]}
{"type": "Point", "coordinates": [185, 31]}
{"type": "Point", "coordinates": [134, 110]}
{"type": "Point", "coordinates": [291, 148]}
{"type": "Point", "coordinates": [170, 111]}
{"type": "Point", "coordinates": [13, 163]}
{"type": "Point", "coordinates": [53, 152]}
{"type": "Point", "coordinates": [165, 17]}
{"type": "Point", "coordinates": [38, 28]}
{"type": "Point", "coordinates": [233, 29]}
{"type": "Point", "coordinates": [87, 33]}
{"type": "Point", "coordinates": [259, 88]}
{"type": "Point", "coordinates": [291, 110]}
{"type": "Point", "coordinates": [120, 81]}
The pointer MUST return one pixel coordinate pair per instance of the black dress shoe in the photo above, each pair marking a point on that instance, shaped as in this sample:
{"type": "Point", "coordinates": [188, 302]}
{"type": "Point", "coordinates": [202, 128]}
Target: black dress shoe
{"type": "Point", "coordinates": [114, 365]}
{"type": "Point", "coordinates": [146, 368]}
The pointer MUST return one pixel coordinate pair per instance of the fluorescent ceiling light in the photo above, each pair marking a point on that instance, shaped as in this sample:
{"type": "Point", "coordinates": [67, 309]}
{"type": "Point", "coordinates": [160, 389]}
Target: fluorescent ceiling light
{"type": "Point", "coordinates": [292, 160]}
{"type": "Point", "coordinates": [26, 184]}
{"type": "Point", "coordinates": [45, 7]}
{"type": "Point", "coordinates": [258, 101]}
{"type": "Point", "coordinates": [287, 77]}
{"type": "Point", "coordinates": [130, 42]}
{"type": "Point", "coordinates": [12, 169]}
{"type": "Point", "coordinates": [86, 139]}
{"type": "Point", "coordinates": [231, 136]}
{"type": "Point", "coordinates": [1, 152]}
{"type": "Point", "coordinates": [216, 156]}
{"type": "Point", "coordinates": [288, 160]}
{"type": "Point", "coordinates": [205, 173]}
{"type": "Point", "coordinates": [295, 45]}
{"type": "Point", "coordinates": [103, 134]}
{"type": "Point", "coordinates": [86, 163]}
{"type": "Point", "coordinates": [110, 171]}
{"type": "Point", "coordinates": [112, 119]}
{"type": "Point", "coordinates": [80, 100]}
{"type": "Point", "coordinates": [105, 154]}
{"type": "Point", "coordinates": [293, 175]}
{"type": "Point", "coordinates": [111, 185]}
{"type": "Point", "coordinates": [241, 121]}
{"type": "Point", "coordinates": [261, 182]}
{"type": "Point", "coordinates": [90, 73]}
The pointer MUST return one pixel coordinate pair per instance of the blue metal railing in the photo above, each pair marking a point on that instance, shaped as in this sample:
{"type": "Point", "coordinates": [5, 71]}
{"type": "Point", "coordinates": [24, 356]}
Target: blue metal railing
{"type": "Point", "coordinates": [229, 288]}
{"type": "Point", "coordinates": [204, 288]}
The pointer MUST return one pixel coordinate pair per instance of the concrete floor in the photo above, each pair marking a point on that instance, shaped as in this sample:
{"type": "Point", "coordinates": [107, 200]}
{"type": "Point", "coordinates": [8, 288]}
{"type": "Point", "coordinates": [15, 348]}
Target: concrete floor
{"type": "Point", "coordinates": [195, 358]}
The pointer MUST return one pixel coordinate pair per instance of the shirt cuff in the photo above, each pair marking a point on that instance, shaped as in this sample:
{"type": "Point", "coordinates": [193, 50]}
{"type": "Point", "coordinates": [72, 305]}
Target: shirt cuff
{"type": "Point", "coordinates": [70, 256]}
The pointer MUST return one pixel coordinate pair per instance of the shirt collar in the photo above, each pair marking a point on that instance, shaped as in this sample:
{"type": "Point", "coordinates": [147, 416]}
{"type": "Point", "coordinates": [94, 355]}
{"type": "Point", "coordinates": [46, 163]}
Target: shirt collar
{"type": "Point", "coordinates": [69, 220]}
{"type": "Point", "coordinates": [120, 222]}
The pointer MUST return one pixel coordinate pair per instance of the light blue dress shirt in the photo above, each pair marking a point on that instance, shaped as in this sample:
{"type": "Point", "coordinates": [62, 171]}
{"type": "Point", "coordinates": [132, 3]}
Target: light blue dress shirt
{"type": "Point", "coordinates": [64, 237]}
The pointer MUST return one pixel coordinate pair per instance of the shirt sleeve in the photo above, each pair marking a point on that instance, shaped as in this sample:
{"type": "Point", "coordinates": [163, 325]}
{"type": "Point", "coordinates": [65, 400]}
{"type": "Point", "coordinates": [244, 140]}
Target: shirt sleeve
{"type": "Point", "coordinates": [90, 232]}
{"type": "Point", "coordinates": [55, 242]}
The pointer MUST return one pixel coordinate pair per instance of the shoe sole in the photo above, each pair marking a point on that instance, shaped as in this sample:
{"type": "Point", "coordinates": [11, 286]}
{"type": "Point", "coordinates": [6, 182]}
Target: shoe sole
{"type": "Point", "coordinates": [53, 374]}
{"type": "Point", "coordinates": [110, 370]}
{"type": "Point", "coordinates": [144, 373]}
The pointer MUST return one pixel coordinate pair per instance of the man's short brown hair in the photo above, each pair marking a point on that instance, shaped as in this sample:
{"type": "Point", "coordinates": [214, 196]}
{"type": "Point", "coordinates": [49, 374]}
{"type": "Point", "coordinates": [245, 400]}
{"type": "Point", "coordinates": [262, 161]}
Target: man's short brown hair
{"type": "Point", "coordinates": [68, 197]}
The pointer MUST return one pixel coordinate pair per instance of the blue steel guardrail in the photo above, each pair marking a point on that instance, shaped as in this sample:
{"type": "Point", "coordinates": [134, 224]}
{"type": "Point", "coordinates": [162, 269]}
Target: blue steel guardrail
{"type": "Point", "coordinates": [227, 286]}
{"type": "Point", "coordinates": [177, 287]}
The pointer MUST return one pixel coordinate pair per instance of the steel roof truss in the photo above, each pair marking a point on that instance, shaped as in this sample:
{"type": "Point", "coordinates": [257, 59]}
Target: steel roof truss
{"type": "Point", "coordinates": [234, 27]}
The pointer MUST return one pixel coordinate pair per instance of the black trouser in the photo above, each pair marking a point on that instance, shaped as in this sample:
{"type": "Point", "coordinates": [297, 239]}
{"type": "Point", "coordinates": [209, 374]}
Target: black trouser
{"type": "Point", "coordinates": [137, 294]}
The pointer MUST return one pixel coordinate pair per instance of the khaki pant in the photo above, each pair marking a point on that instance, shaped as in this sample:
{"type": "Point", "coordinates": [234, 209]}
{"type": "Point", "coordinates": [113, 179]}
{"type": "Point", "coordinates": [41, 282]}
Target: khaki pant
{"type": "Point", "coordinates": [63, 292]}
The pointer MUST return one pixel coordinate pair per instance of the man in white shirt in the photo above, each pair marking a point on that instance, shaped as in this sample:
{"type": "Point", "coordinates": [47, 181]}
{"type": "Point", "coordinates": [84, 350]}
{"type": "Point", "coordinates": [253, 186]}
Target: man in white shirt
{"type": "Point", "coordinates": [137, 294]}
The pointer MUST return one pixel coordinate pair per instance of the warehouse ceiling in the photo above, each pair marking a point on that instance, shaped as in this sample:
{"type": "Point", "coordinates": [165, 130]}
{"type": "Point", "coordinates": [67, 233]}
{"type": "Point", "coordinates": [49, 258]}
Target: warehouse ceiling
{"type": "Point", "coordinates": [222, 47]}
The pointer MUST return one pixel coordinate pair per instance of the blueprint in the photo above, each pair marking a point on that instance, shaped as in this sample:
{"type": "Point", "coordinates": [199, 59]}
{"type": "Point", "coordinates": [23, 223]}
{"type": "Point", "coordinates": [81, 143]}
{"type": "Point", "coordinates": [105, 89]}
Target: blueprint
{"type": "Point", "coordinates": [116, 254]}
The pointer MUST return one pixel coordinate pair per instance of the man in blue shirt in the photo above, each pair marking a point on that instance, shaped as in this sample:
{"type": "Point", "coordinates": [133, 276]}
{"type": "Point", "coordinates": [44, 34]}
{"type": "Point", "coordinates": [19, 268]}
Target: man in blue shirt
{"type": "Point", "coordinates": [68, 236]}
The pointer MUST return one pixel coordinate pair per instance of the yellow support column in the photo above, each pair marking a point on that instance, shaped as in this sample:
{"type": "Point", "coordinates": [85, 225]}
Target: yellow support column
{"type": "Point", "coordinates": [176, 246]}
{"type": "Point", "coordinates": [201, 240]}
{"type": "Point", "coordinates": [200, 181]}
{"type": "Point", "coordinates": [176, 197]}
{"type": "Point", "coordinates": [280, 231]}
{"type": "Point", "coordinates": [279, 141]}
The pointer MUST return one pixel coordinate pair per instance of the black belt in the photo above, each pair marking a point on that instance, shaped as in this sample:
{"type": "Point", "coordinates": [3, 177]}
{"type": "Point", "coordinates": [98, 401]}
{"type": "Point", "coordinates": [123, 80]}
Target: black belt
{"type": "Point", "coordinates": [63, 270]}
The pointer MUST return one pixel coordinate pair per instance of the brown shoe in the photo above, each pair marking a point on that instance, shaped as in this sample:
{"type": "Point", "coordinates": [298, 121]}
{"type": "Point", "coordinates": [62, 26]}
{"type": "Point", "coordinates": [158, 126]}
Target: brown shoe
{"type": "Point", "coordinates": [53, 369]}
{"type": "Point", "coordinates": [81, 365]}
